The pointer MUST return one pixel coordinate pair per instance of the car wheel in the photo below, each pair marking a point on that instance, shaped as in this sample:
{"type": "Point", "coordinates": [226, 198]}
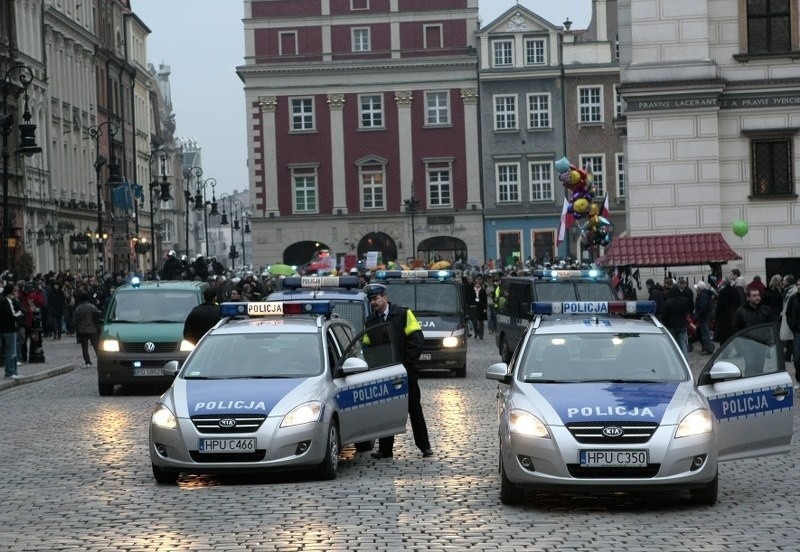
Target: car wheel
{"type": "Point", "coordinates": [365, 446]}
{"type": "Point", "coordinates": [706, 496]}
{"type": "Point", "coordinates": [510, 494]}
{"type": "Point", "coordinates": [505, 352]}
{"type": "Point", "coordinates": [164, 477]}
{"type": "Point", "coordinates": [461, 371]}
{"type": "Point", "coordinates": [330, 464]}
{"type": "Point", "coordinates": [105, 389]}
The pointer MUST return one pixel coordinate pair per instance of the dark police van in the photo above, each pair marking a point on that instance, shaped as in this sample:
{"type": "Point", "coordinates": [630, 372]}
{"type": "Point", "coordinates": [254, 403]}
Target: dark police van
{"type": "Point", "coordinates": [513, 304]}
{"type": "Point", "coordinates": [436, 298]}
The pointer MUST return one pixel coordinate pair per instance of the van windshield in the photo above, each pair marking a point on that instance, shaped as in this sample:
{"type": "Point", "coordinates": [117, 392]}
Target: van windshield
{"type": "Point", "coordinates": [152, 306]}
{"type": "Point", "coordinates": [427, 297]}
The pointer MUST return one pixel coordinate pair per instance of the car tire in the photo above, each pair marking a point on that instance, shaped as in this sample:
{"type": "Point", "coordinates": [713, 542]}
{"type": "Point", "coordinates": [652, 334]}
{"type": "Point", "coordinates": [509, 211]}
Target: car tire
{"type": "Point", "coordinates": [164, 477]}
{"type": "Point", "coordinates": [461, 371]}
{"type": "Point", "coordinates": [510, 494]}
{"type": "Point", "coordinates": [105, 389]}
{"type": "Point", "coordinates": [365, 446]}
{"type": "Point", "coordinates": [706, 496]}
{"type": "Point", "coordinates": [505, 352]}
{"type": "Point", "coordinates": [329, 466]}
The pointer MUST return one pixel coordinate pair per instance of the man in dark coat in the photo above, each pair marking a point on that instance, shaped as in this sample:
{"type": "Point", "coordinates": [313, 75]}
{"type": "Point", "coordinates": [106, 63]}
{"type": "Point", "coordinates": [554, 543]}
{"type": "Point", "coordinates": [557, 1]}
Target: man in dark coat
{"type": "Point", "coordinates": [172, 267]}
{"type": "Point", "coordinates": [753, 313]}
{"type": "Point", "coordinates": [728, 303]}
{"type": "Point", "coordinates": [9, 315]}
{"type": "Point", "coordinates": [202, 318]}
{"type": "Point", "coordinates": [676, 308]}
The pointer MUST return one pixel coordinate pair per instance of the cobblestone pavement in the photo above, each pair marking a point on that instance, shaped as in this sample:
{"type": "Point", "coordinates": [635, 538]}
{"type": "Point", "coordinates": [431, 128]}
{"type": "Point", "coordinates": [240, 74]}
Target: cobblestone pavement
{"type": "Point", "coordinates": [76, 476]}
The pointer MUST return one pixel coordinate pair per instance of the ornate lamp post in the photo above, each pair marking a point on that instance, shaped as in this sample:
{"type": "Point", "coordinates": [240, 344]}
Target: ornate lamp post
{"type": "Point", "coordinates": [96, 132]}
{"type": "Point", "coordinates": [159, 191]}
{"type": "Point", "coordinates": [200, 203]}
{"type": "Point", "coordinates": [411, 207]}
{"type": "Point", "coordinates": [195, 172]}
{"type": "Point", "coordinates": [245, 230]}
{"type": "Point", "coordinates": [232, 254]}
{"type": "Point", "coordinates": [27, 142]}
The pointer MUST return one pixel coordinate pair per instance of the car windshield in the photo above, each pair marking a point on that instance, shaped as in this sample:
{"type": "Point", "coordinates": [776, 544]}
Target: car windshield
{"type": "Point", "coordinates": [573, 291]}
{"type": "Point", "coordinates": [431, 297]}
{"type": "Point", "coordinates": [618, 357]}
{"type": "Point", "coordinates": [255, 355]}
{"type": "Point", "coordinates": [159, 305]}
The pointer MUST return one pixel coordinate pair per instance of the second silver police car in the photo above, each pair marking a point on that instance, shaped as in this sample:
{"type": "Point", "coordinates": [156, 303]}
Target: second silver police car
{"type": "Point", "coordinates": [283, 387]}
{"type": "Point", "coordinates": [595, 402]}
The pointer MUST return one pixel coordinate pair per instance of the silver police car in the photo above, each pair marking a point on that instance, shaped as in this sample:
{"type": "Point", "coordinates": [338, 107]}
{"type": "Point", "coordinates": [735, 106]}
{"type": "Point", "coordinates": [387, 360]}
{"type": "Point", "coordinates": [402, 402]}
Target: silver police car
{"type": "Point", "coordinates": [595, 402]}
{"type": "Point", "coordinates": [276, 385]}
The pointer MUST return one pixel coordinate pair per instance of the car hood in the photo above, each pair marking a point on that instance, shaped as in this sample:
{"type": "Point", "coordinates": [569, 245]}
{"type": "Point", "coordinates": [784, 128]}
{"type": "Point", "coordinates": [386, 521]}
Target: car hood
{"type": "Point", "coordinates": [167, 332]}
{"type": "Point", "coordinates": [267, 397]}
{"type": "Point", "coordinates": [439, 325]}
{"type": "Point", "coordinates": [610, 402]}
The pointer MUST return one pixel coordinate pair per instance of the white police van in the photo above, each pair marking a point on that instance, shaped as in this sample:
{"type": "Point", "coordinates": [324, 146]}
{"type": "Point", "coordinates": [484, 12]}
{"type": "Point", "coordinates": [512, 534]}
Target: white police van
{"type": "Point", "coordinates": [597, 402]}
{"type": "Point", "coordinates": [276, 386]}
{"type": "Point", "coordinates": [436, 297]}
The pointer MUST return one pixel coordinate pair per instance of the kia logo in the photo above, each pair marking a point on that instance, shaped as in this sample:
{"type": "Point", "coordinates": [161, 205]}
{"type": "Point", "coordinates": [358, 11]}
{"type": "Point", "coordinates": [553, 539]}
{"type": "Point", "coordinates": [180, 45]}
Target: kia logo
{"type": "Point", "coordinates": [613, 431]}
{"type": "Point", "coordinates": [149, 346]}
{"type": "Point", "coordinates": [227, 422]}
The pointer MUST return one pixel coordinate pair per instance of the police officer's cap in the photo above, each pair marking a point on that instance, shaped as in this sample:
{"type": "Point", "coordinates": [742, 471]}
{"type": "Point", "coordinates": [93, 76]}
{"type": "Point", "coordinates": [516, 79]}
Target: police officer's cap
{"type": "Point", "coordinates": [371, 290]}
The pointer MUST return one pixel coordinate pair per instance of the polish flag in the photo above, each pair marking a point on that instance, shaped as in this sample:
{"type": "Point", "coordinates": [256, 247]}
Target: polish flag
{"type": "Point", "coordinates": [567, 220]}
{"type": "Point", "coordinates": [606, 214]}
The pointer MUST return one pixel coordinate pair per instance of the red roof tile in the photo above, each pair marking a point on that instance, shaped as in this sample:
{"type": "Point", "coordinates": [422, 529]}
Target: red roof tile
{"type": "Point", "coordinates": [684, 250]}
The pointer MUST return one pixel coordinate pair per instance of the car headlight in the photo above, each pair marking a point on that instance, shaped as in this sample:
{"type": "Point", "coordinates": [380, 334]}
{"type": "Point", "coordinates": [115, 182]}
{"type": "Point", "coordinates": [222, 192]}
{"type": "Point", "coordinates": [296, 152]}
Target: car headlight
{"type": "Point", "coordinates": [450, 341]}
{"type": "Point", "coordinates": [109, 345]}
{"type": "Point", "coordinates": [524, 423]}
{"type": "Point", "coordinates": [187, 346]}
{"type": "Point", "coordinates": [696, 423]}
{"type": "Point", "coordinates": [303, 414]}
{"type": "Point", "coordinates": [163, 417]}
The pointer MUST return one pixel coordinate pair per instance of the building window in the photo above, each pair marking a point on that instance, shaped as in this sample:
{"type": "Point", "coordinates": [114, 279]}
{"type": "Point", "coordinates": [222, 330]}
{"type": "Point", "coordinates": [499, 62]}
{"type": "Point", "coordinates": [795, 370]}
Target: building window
{"type": "Point", "coordinates": [590, 104]}
{"type": "Point", "coordinates": [287, 42]}
{"type": "Point", "coordinates": [505, 112]}
{"type": "Point", "coordinates": [304, 182]}
{"type": "Point", "coordinates": [371, 111]}
{"type": "Point", "coordinates": [372, 187]}
{"type": "Point", "coordinates": [359, 4]}
{"type": "Point", "coordinates": [302, 114]}
{"type": "Point", "coordinates": [437, 108]}
{"type": "Point", "coordinates": [769, 26]}
{"type": "Point", "coordinates": [619, 106]}
{"type": "Point", "coordinates": [440, 186]}
{"type": "Point", "coordinates": [538, 110]}
{"type": "Point", "coordinates": [432, 36]}
{"type": "Point", "coordinates": [595, 165]}
{"type": "Point", "coordinates": [534, 52]}
{"type": "Point", "coordinates": [772, 166]}
{"type": "Point", "coordinates": [620, 175]}
{"type": "Point", "coordinates": [541, 175]}
{"type": "Point", "coordinates": [361, 39]}
{"type": "Point", "coordinates": [507, 182]}
{"type": "Point", "coordinates": [503, 53]}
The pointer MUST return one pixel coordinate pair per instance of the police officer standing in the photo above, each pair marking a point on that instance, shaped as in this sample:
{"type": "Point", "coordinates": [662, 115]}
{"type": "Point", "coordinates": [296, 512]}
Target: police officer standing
{"type": "Point", "coordinates": [172, 267]}
{"type": "Point", "coordinates": [408, 340]}
{"type": "Point", "coordinates": [202, 318]}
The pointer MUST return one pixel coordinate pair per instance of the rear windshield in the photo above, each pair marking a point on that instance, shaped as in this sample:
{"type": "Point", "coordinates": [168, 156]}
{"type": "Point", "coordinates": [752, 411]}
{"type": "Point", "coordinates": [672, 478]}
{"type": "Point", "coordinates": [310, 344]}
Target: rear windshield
{"type": "Point", "coordinates": [352, 311]}
{"type": "Point", "coordinates": [431, 297]}
{"type": "Point", "coordinates": [573, 291]}
{"type": "Point", "coordinates": [144, 305]}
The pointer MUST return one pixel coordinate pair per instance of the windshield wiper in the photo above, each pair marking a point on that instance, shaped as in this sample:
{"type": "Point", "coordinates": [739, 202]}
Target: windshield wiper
{"type": "Point", "coordinates": [542, 380]}
{"type": "Point", "coordinates": [160, 321]}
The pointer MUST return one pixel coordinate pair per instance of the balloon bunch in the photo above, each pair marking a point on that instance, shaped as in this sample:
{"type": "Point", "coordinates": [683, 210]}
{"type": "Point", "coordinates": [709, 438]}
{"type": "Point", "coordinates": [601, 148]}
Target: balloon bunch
{"type": "Point", "coordinates": [597, 230]}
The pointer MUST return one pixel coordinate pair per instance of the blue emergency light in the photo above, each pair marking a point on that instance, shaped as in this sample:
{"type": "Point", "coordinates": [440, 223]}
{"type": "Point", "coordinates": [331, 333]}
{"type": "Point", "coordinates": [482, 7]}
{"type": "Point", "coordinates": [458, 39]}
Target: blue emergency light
{"type": "Point", "coordinates": [556, 274]}
{"type": "Point", "coordinates": [135, 282]}
{"type": "Point", "coordinates": [276, 308]}
{"type": "Point", "coordinates": [317, 282]}
{"type": "Point", "coordinates": [594, 307]}
{"type": "Point", "coordinates": [413, 274]}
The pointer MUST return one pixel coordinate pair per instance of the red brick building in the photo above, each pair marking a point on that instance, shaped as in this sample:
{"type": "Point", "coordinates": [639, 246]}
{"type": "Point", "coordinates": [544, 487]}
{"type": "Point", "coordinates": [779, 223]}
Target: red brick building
{"type": "Point", "coordinates": [361, 111]}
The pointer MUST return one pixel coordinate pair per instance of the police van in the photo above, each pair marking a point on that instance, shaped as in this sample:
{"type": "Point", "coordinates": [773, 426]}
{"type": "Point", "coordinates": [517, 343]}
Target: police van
{"type": "Point", "coordinates": [348, 300]}
{"type": "Point", "coordinates": [517, 294]}
{"type": "Point", "coordinates": [436, 298]}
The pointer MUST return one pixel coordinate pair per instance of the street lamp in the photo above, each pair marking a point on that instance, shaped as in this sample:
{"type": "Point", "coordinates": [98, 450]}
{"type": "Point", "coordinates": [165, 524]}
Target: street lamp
{"type": "Point", "coordinates": [27, 142]}
{"type": "Point", "coordinates": [200, 203]}
{"type": "Point", "coordinates": [96, 132]}
{"type": "Point", "coordinates": [245, 230]}
{"type": "Point", "coordinates": [195, 172]}
{"type": "Point", "coordinates": [411, 207]}
{"type": "Point", "coordinates": [232, 254]}
{"type": "Point", "coordinates": [160, 189]}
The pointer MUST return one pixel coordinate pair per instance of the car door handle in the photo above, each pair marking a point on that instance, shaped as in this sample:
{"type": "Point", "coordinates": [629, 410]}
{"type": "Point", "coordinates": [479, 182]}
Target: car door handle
{"type": "Point", "coordinates": [398, 383]}
{"type": "Point", "coordinates": [782, 392]}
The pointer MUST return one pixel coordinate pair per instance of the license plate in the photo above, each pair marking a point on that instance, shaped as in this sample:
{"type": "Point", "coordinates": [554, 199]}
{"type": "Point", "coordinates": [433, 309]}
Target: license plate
{"type": "Point", "coordinates": [425, 356]}
{"type": "Point", "coordinates": [613, 458]}
{"type": "Point", "coordinates": [137, 372]}
{"type": "Point", "coordinates": [219, 446]}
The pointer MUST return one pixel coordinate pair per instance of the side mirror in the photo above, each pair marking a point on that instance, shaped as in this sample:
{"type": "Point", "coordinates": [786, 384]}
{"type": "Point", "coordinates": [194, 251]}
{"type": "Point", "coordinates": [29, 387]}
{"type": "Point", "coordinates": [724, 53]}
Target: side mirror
{"type": "Point", "coordinates": [724, 370]}
{"type": "Point", "coordinates": [171, 368]}
{"type": "Point", "coordinates": [354, 366]}
{"type": "Point", "coordinates": [499, 372]}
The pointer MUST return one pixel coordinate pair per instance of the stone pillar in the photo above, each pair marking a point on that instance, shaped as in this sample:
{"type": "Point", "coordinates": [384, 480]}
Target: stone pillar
{"type": "Point", "coordinates": [336, 111]}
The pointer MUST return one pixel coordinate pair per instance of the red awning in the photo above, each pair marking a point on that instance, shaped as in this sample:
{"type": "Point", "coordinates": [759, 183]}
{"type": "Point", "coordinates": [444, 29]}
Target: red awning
{"type": "Point", "coordinates": [684, 250]}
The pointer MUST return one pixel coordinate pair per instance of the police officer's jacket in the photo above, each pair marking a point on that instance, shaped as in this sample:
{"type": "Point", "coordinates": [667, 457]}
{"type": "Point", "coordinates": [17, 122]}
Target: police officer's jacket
{"type": "Point", "coordinates": [408, 338]}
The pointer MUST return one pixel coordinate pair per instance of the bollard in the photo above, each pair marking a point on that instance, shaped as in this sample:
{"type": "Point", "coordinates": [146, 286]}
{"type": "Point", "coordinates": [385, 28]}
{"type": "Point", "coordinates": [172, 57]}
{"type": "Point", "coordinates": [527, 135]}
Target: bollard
{"type": "Point", "coordinates": [36, 352]}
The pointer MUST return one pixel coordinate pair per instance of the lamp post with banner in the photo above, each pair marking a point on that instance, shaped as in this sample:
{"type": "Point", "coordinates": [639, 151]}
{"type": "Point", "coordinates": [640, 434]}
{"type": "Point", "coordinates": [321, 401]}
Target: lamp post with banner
{"type": "Point", "coordinates": [96, 132]}
{"type": "Point", "coordinates": [188, 174]}
{"type": "Point", "coordinates": [159, 191]}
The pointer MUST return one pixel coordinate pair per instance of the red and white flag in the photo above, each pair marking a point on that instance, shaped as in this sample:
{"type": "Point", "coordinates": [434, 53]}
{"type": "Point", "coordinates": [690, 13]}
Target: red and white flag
{"type": "Point", "coordinates": [567, 220]}
{"type": "Point", "coordinates": [606, 214]}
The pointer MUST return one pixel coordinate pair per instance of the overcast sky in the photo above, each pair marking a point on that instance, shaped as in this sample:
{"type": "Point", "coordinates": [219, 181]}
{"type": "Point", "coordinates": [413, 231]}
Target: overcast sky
{"type": "Point", "coordinates": [202, 41]}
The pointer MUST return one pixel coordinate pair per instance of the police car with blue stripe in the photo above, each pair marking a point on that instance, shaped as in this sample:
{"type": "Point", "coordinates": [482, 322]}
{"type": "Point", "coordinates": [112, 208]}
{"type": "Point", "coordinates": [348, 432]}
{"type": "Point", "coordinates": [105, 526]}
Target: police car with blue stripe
{"type": "Point", "coordinates": [276, 386]}
{"type": "Point", "coordinates": [591, 401]}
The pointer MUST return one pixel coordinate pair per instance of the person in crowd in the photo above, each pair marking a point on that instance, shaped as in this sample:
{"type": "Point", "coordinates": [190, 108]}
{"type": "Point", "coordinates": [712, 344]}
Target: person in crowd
{"type": "Point", "coordinates": [408, 341]}
{"type": "Point", "coordinates": [85, 320]}
{"type": "Point", "coordinates": [792, 317]}
{"type": "Point", "coordinates": [491, 316]}
{"type": "Point", "coordinates": [655, 293]}
{"type": "Point", "coordinates": [739, 285]}
{"type": "Point", "coordinates": [676, 309]}
{"type": "Point", "coordinates": [202, 318]}
{"type": "Point", "coordinates": [704, 314]}
{"type": "Point", "coordinates": [173, 268]}
{"type": "Point", "coordinates": [236, 297]}
{"type": "Point", "coordinates": [753, 313]}
{"type": "Point", "coordinates": [57, 302]}
{"type": "Point", "coordinates": [477, 305]}
{"type": "Point", "coordinates": [728, 302]}
{"type": "Point", "coordinates": [686, 291]}
{"type": "Point", "coordinates": [9, 317]}
{"type": "Point", "coordinates": [773, 297]}
{"type": "Point", "coordinates": [756, 283]}
{"type": "Point", "coordinates": [786, 335]}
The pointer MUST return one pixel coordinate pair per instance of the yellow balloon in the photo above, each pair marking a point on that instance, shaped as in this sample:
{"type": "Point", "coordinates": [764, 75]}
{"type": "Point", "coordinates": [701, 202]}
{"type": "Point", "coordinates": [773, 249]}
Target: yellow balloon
{"type": "Point", "coordinates": [581, 206]}
{"type": "Point", "coordinates": [574, 177]}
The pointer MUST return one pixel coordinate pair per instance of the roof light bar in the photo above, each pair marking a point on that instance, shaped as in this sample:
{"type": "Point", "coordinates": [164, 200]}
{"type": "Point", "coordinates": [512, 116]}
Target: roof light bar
{"type": "Point", "coordinates": [568, 274]}
{"type": "Point", "coordinates": [414, 274]}
{"type": "Point", "coordinates": [316, 282]}
{"type": "Point", "coordinates": [594, 307]}
{"type": "Point", "coordinates": [276, 308]}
